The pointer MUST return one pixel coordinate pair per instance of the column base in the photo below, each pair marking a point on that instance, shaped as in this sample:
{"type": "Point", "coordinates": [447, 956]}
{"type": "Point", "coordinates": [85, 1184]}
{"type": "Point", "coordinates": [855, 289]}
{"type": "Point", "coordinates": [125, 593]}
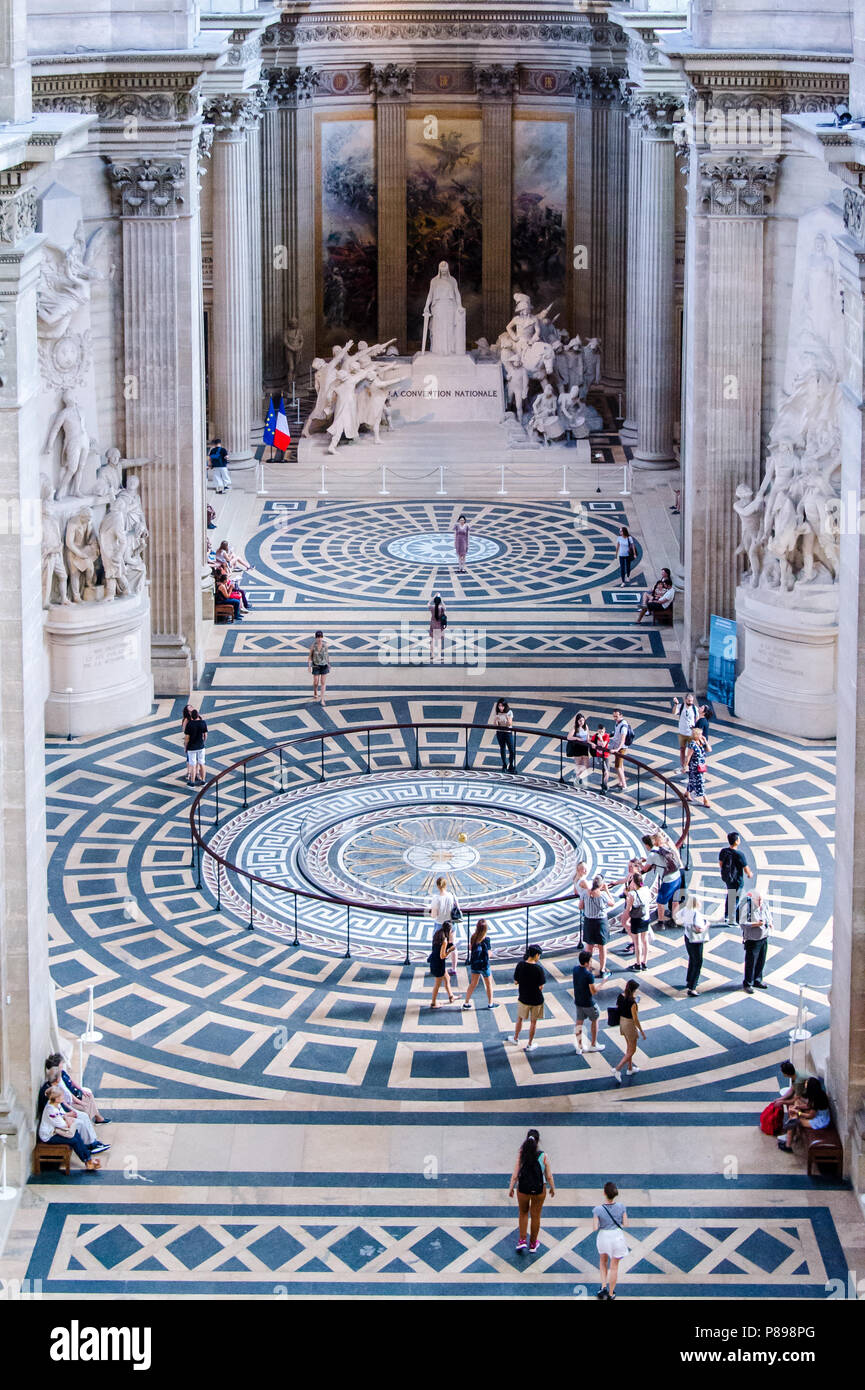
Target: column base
{"type": "Point", "coordinates": [654, 461]}
{"type": "Point", "coordinates": [172, 665]}
{"type": "Point", "coordinates": [628, 431]}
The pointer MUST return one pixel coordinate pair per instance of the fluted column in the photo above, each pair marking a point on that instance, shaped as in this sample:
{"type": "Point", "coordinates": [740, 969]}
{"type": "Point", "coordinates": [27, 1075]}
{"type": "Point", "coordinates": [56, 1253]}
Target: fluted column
{"type": "Point", "coordinates": [655, 326]}
{"type": "Point", "coordinates": [728, 198]}
{"type": "Point", "coordinates": [231, 339]}
{"type": "Point", "coordinates": [275, 238]}
{"type": "Point", "coordinates": [392, 85]}
{"type": "Point", "coordinates": [25, 1009]}
{"type": "Point", "coordinates": [297, 96]}
{"type": "Point", "coordinates": [162, 359]}
{"type": "Point", "coordinates": [629, 424]}
{"type": "Point", "coordinates": [612, 324]}
{"type": "Point", "coordinates": [253, 150]}
{"type": "Point", "coordinates": [495, 87]}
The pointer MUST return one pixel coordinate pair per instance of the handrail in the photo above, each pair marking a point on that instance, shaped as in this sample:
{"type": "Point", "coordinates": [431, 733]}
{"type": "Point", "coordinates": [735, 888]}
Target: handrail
{"type": "Point", "coordinates": [199, 841]}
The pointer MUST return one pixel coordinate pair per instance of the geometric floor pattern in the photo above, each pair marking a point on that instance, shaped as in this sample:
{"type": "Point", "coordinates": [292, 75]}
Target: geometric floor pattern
{"type": "Point", "coordinates": [210, 1028]}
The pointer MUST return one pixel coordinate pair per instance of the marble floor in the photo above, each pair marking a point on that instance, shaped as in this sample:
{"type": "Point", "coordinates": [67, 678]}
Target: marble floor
{"type": "Point", "coordinates": [289, 1121]}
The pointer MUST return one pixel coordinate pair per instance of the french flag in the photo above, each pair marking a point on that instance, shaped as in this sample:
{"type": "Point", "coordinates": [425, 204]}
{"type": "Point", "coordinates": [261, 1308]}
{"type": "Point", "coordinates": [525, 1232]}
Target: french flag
{"type": "Point", "coordinates": [276, 431]}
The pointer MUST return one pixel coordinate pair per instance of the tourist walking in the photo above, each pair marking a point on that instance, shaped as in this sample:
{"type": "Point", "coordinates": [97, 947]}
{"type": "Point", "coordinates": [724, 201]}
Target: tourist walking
{"type": "Point", "coordinates": [630, 1027]}
{"type": "Point", "coordinates": [194, 740]}
{"type": "Point", "coordinates": [585, 989]}
{"type": "Point", "coordinates": [638, 905]}
{"type": "Point", "coordinates": [663, 860]}
{"type": "Point", "coordinates": [695, 928]}
{"type": "Point", "coordinates": [755, 919]}
{"type": "Point", "coordinates": [442, 902]}
{"type": "Point", "coordinates": [479, 963]}
{"type": "Point", "coordinates": [438, 621]}
{"type": "Point", "coordinates": [734, 870]}
{"type": "Point", "coordinates": [461, 540]}
{"type": "Point", "coordinates": [217, 458]}
{"type": "Point", "coordinates": [319, 667]}
{"type": "Point", "coordinates": [601, 749]}
{"type": "Point", "coordinates": [596, 928]}
{"type": "Point", "coordinates": [626, 884]}
{"type": "Point", "coordinates": [503, 719]}
{"type": "Point", "coordinates": [530, 978]}
{"type": "Point", "coordinates": [686, 712]}
{"type": "Point", "coordinates": [622, 738]}
{"type": "Point", "coordinates": [626, 551]}
{"type": "Point", "coordinates": [577, 747]}
{"type": "Point", "coordinates": [697, 762]}
{"type": "Point", "coordinates": [443, 946]}
{"type": "Point", "coordinates": [609, 1220]}
{"type": "Point", "coordinates": [531, 1178]}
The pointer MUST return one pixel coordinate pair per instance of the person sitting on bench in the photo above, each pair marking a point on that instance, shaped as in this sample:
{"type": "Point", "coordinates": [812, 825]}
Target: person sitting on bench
{"type": "Point", "coordinates": [56, 1127]}
{"type": "Point", "coordinates": [81, 1097]}
{"type": "Point", "coordinates": [658, 599]}
{"type": "Point", "coordinates": [811, 1112]}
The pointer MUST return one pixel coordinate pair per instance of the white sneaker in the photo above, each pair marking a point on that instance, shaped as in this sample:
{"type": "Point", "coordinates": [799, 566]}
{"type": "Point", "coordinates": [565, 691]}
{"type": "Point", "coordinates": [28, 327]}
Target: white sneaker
{"type": "Point", "coordinates": [530, 1047]}
{"type": "Point", "coordinates": [578, 1047]}
{"type": "Point", "coordinates": [618, 1076]}
{"type": "Point", "coordinates": [595, 1047]}
{"type": "Point", "coordinates": [634, 1068]}
{"type": "Point", "coordinates": [511, 1042]}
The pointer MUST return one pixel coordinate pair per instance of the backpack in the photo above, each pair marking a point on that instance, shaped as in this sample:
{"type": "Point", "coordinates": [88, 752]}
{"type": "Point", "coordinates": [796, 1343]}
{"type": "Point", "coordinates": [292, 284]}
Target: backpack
{"type": "Point", "coordinates": [629, 735]}
{"type": "Point", "coordinates": [672, 862]}
{"type": "Point", "coordinates": [530, 1179]}
{"type": "Point", "coordinates": [772, 1118]}
{"type": "Point", "coordinates": [730, 870]}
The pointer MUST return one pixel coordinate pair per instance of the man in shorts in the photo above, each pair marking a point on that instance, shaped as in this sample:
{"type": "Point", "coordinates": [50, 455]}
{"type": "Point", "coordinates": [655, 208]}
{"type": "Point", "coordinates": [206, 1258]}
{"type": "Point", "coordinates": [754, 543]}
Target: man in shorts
{"type": "Point", "coordinates": [585, 988]}
{"type": "Point", "coordinates": [618, 747]}
{"type": "Point", "coordinates": [530, 978]}
{"type": "Point", "coordinates": [664, 861]}
{"type": "Point", "coordinates": [687, 716]}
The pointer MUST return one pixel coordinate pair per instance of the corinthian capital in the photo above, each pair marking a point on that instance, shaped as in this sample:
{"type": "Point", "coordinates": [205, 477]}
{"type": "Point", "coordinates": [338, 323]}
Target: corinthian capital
{"type": "Point", "coordinates": [736, 187]}
{"type": "Point", "coordinates": [495, 81]}
{"type": "Point", "coordinates": [291, 86]}
{"type": "Point", "coordinates": [235, 113]}
{"type": "Point", "coordinates": [148, 188]}
{"type": "Point", "coordinates": [392, 81]}
{"type": "Point", "coordinates": [657, 112]}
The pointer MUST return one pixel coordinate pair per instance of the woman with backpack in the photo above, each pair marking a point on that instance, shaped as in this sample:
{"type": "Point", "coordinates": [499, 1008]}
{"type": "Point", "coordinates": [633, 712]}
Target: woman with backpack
{"type": "Point", "coordinates": [629, 1027]}
{"type": "Point", "coordinates": [479, 963]}
{"type": "Point", "coordinates": [438, 621]}
{"type": "Point", "coordinates": [443, 945]}
{"type": "Point", "coordinates": [531, 1177]}
{"type": "Point", "coordinates": [638, 905]}
{"type": "Point", "coordinates": [609, 1219]}
{"type": "Point", "coordinates": [626, 552]}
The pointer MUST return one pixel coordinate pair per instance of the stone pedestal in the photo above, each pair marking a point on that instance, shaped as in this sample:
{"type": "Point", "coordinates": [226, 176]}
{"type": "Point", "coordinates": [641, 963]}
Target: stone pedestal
{"type": "Point", "coordinates": [789, 658]}
{"type": "Point", "coordinates": [449, 390]}
{"type": "Point", "coordinates": [101, 653]}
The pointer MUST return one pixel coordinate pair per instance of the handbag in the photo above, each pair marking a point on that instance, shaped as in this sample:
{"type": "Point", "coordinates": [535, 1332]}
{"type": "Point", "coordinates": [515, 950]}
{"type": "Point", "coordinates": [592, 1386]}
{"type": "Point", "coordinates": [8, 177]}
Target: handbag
{"type": "Point", "coordinates": [612, 1015]}
{"type": "Point", "coordinates": [619, 1224]}
{"type": "Point", "coordinates": [456, 913]}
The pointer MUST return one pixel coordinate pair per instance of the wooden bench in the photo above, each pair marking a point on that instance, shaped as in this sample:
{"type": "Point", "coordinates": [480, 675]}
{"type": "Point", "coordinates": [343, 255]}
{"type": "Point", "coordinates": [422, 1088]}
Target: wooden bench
{"type": "Point", "coordinates": [59, 1154]}
{"type": "Point", "coordinates": [823, 1146]}
{"type": "Point", "coordinates": [223, 612]}
{"type": "Point", "coordinates": [663, 617]}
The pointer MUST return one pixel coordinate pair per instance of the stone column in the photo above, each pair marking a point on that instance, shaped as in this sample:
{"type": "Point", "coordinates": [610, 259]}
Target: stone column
{"type": "Point", "coordinates": [392, 85]}
{"type": "Point", "coordinates": [232, 333]}
{"type": "Point", "coordinates": [629, 424]}
{"type": "Point", "coordinates": [846, 1069]}
{"type": "Point", "coordinates": [25, 1004]}
{"type": "Point", "coordinates": [163, 364]}
{"type": "Point", "coordinates": [655, 326]}
{"type": "Point", "coordinates": [611, 328]}
{"type": "Point", "coordinates": [495, 86]}
{"type": "Point", "coordinates": [275, 236]}
{"type": "Point", "coordinates": [297, 93]}
{"type": "Point", "coordinates": [728, 199]}
{"type": "Point", "coordinates": [253, 150]}
{"type": "Point", "coordinates": [586, 232]}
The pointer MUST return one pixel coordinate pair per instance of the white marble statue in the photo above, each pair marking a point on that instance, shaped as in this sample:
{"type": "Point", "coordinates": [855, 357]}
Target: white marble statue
{"type": "Point", "coordinates": [345, 423]}
{"type": "Point", "coordinates": [523, 335]}
{"type": "Point", "coordinates": [53, 564]}
{"type": "Point", "coordinates": [82, 552]}
{"type": "Point", "coordinates": [518, 383]}
{"type": "Point", "coordinates": [325, 381]}
{"type": "Point", "coordinates": [545, 423]}
{"type": "Point", "coordinates": [292, 340]}
{"type": "Point", "coordinates": [591, 355]}
{"type": "Point", "coordinates": [65, 284]}
{"type": "Point", "coordinates": [112, 549]}
{"type": "Point", "coordinates": [444, 315]}
{"type": "Point", "coordinates": [76, 444]}
{"type": "Point", "coordinates": [572, 412]}
{"type": "Point", "coordinates": [374, 398]}
{"type": "Point", "coordinates": [129, 500]}
{"type": "Point", "coordinates": [749, 510]}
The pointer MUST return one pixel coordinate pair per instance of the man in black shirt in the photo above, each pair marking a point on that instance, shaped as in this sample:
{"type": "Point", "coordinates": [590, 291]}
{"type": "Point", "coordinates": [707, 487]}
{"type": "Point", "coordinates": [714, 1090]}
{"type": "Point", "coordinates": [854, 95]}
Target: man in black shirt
{"type": "Point", "coordinates": [585, 989]}
{"type": "Point", "coordinates": [195, 732]}
{"type": "Point", "coordinates": [530, 977]}
{"type": "Point", "coordinates": [734, 868]}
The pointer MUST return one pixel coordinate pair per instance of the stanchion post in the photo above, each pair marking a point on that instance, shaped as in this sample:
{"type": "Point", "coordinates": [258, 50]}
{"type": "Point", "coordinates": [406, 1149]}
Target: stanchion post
{"type": "Point", "coordinates": [244, 786]}
{"type": "Point", "coordinates": [367, 751]}
{"type": "Point", "coordinates": [638, 786]}
{"type": "Point", "coordinates": [527, 926]}
{"type": "Point", "coordinates": [321, 775]}
{"type": "Point", "coordinates": [441, 492]}
{"type": "Point", "coordinates": [468, 941]}
{"type": "Point", "coordinates": [294, 942]}
{"type": "Point", "coordinates": [216, 789]}
{"type": "Point", "coordinates": [626, 490]}
{"type": "Point", "coordinates": [564, 490]}
{"type": "Point", "coordinates": [322, 491]}
{"type": "Point", "coordinates": [664, 821]}
{"type": "Point", "coordinates": [561, 764]}
{"type": "Point", "coordinates": [218, 886]}
{"type": "Point", "coordinates": [347, 931]}
{"type": "Point", "coordinates": [383, 492]}
{"type": "Point", "coordinates": [407, 957]}
{"type": "Point", "coordinates": [503, 492]}
{"type": "Point", "coordinates": [249, 928]}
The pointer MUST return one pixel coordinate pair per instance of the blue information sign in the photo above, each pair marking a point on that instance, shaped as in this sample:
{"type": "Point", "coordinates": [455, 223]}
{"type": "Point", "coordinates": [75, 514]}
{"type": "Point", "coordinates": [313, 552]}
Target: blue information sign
{"type": "Point", "coordinates": [722, 660]}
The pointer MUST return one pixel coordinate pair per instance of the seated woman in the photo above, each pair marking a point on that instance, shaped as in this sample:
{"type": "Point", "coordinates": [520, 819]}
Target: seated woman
{"type": "Point", "coordinates": [57, 1127]}
{"type": "Point", "coordinates": [229, 557]}
{"type": "Point", "coordinates": [82, 1098]}
{"type": "Point", "coordinates": [660, 597]}
{"type": "Point", "coordinates": [224, 592]}
{"type": "Point", "coordinates": [82, 1122]}
{"type": "Point", "coordinates": [811, 1112]}
{"type": "Point", "coordinates": [222, 569]}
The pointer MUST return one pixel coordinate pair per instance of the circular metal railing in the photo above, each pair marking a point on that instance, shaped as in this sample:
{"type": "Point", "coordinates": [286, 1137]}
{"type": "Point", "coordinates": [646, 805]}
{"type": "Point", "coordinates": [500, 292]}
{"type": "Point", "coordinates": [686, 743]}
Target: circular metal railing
{"type": "Point", "coordinates": [309, 759]}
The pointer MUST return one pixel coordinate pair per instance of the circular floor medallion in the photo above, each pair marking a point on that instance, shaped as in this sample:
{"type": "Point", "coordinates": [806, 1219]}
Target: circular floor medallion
{"type": "Point", "coordinates": [437, 548]}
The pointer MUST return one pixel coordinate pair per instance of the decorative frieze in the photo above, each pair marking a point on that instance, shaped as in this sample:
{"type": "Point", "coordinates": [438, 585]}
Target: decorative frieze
{"type": "Point", "coordinates": [854, 213]}
{"type": "Point", "coordinates": [161, 96]}
{"type": "Point", "coordinates": [17, 207]}
{"type": "Point", "coordinates": [495, 82]}
{"type": "Point", "coordinates": [388, 26]}
{"type": "Point", "coordinates": [243, 50]}
{"type": "Point", "coordinates": [391, 81]}
{"type": "Point", "coordinates": [736, 187]}
{"type": "Point", "coordinates": [148, 188]}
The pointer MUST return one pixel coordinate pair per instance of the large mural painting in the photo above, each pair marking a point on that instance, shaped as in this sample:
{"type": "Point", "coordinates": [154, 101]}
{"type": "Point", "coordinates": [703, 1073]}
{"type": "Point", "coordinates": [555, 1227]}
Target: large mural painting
{"type": "Point", "coordinates": [540, 215]}
{"type": "Point", "coordinates": [349, 268]}
{"type": "Point", "coordinates": [443, 196]}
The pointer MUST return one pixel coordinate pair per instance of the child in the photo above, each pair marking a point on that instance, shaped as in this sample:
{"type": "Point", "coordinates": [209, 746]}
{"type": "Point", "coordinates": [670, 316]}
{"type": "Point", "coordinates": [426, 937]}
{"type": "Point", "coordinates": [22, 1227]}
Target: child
{"type": "Point", "coordinates": [601, 749]}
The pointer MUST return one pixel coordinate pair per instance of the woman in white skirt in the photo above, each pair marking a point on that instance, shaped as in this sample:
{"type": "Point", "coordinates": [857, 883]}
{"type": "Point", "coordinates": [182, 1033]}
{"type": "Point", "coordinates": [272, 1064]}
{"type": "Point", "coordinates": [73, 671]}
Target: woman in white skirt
{"type": "Point", "coordinates": [610, 1220]}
